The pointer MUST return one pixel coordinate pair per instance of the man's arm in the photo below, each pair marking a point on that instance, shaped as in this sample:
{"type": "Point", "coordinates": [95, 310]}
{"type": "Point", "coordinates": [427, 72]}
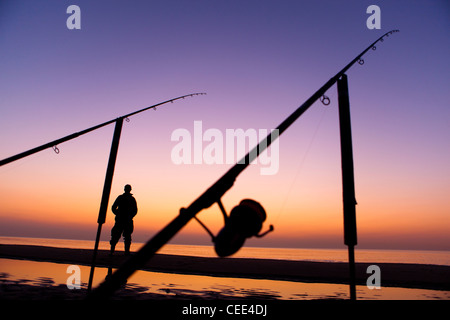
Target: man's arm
{"type": "Point", "coordinates": [115, 205]}
{"type": "Point", "coordinates": [135, 209]}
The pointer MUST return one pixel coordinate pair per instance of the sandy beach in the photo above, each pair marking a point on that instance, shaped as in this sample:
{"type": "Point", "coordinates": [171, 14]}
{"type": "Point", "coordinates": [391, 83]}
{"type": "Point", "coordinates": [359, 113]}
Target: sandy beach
{"type": "Point", "coordinates": [393, 274]}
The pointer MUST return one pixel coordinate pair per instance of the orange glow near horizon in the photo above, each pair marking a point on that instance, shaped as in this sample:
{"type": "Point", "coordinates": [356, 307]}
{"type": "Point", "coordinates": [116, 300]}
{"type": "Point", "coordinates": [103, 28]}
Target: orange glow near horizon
{"type": "Point", "coordinates": [302, 212]}
{"type": "Point", "coordinates": [65, 191]}
{"type": "Point", "coordinates": [303, 202]}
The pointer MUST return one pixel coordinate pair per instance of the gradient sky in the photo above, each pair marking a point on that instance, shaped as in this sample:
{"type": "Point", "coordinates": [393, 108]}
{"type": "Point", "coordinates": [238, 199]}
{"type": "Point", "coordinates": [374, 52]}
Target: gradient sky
{"type": "Point", "coordinates": [257, 61]}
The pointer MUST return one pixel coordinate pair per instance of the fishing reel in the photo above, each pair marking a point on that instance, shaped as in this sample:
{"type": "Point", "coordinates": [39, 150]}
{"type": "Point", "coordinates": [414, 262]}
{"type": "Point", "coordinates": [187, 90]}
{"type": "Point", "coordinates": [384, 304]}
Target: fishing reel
{"type": "Point", "coordinates": [245, 221]}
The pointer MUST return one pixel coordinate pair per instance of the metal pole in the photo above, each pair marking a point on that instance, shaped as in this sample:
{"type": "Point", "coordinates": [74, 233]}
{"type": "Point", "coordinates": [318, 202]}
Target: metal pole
{"type": "Point", "coordinates": [348, 181]}
{"type": "Point", "coordinates": [106, 192]}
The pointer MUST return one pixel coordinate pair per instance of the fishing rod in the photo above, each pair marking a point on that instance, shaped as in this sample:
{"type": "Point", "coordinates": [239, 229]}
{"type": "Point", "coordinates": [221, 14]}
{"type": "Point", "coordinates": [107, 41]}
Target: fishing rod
{"type": "Point", "coordinates": [214, 194]}
{"type": "Point", "coordinates": [54, 143]}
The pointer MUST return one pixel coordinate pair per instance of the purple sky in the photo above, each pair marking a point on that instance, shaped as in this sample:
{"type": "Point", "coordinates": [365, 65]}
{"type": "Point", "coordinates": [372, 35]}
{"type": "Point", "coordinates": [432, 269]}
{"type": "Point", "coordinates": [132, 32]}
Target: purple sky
{"type": "Point", "coordinates": [257, 61]}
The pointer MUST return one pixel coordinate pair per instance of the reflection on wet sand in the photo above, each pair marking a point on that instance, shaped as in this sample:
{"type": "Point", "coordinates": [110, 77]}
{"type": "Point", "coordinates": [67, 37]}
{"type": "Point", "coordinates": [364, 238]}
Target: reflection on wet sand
{"type": "Point", "coordinates": [22, 279]}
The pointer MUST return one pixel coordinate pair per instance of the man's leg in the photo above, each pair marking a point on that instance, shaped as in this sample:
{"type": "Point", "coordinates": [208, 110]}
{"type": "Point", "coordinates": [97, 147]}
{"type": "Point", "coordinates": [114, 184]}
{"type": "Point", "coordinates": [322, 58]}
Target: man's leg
{"type": "Point", "coordinates": [128, 230]}
{"type": "Point", "coordinates": [116, 231]}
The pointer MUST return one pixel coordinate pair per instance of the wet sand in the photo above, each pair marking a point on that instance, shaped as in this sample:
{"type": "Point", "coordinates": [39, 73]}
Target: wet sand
{"type": "Point", "coordinates": [392, 274]}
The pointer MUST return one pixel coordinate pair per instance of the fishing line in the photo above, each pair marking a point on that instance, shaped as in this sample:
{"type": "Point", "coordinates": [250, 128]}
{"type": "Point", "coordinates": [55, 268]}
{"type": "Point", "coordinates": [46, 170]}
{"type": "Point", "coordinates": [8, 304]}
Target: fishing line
{"type": "Point", "coordinates": [301, 163]}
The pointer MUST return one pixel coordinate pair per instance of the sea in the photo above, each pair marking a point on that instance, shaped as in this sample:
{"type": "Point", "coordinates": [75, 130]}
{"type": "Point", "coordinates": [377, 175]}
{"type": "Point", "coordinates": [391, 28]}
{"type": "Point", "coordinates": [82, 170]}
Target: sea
{"type": "Point", "coordinates": [306, 254]}
{"type": "Point", "coordinates": [208, 287]}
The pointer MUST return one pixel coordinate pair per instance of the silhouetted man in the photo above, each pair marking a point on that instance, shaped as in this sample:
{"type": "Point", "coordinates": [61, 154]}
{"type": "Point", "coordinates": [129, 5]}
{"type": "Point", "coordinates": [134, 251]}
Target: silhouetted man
{"type": "Point", "coordinates": [125, 208]}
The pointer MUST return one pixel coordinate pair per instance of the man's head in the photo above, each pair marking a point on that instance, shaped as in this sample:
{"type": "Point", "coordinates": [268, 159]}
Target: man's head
{"type": "Point", "coordinates": [127, 188]}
